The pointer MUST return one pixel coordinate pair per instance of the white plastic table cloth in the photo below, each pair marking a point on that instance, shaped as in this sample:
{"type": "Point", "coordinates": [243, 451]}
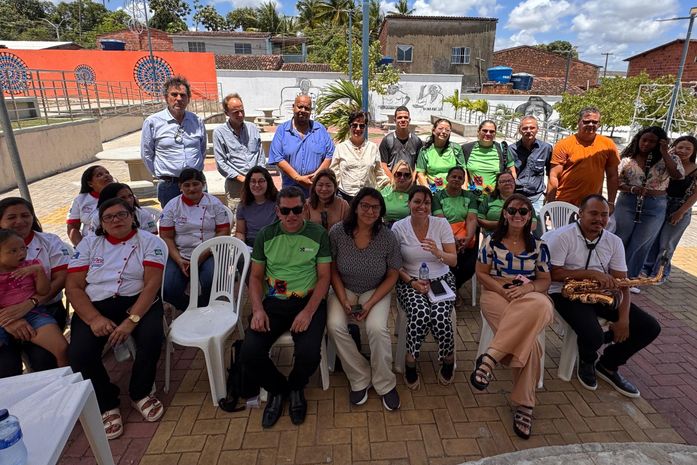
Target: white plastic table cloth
{"type": "Point", "coordinates": [48, 404]}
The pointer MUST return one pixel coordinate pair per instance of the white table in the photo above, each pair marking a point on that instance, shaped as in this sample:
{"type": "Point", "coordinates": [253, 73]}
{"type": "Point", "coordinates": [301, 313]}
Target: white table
{"type": "Point", "coordinates": [48, 404]}
{"type": "Point", "coordinates": [131, 155]}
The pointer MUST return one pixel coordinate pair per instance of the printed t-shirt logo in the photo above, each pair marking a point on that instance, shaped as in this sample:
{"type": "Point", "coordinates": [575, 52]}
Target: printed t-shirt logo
{"type": "Point", "coordinates": [97, 262]}
{"type": "Point", "coordinates": [306, 249]}
{"type": "Point", "coordinates": [76, 254]}
{"type": "Point", "coordinates": [158, 252]}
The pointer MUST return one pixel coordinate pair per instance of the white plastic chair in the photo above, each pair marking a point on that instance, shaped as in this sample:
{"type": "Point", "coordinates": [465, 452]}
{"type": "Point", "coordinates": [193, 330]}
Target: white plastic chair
{"type": "Point", "coordinates": [208, 327]}
{"type": "Point", "coordinates": [569, 347]}
{"type": "Point", "coordinates": [560, 214]}
{"type": "Point", "coordinates": [487, 334]}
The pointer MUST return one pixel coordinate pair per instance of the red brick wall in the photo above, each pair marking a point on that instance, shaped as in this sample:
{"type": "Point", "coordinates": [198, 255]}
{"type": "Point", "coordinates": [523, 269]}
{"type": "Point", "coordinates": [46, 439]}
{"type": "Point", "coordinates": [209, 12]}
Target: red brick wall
{"type": "Point", "coordinates": [160, 40]}
{"type": "Point", "coordinates": [545, 64]}
{"type": "Point", "coordinates": [665, 60]}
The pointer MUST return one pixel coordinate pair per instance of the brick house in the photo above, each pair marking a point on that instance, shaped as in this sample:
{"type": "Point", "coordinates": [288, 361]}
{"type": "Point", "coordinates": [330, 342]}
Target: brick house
{"type": "Point", "coordinates": [544, 64]}
{"type": "Point", "coordinates": [161, 41]}
{"type": "Point", "coordinates": [664, 60]}
{"type": "Point", "coordinates": [439, 45]}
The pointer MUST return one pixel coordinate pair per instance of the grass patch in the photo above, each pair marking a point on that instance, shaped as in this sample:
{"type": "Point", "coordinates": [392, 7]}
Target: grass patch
{"type": "Point", "coordinates": [30, 123]}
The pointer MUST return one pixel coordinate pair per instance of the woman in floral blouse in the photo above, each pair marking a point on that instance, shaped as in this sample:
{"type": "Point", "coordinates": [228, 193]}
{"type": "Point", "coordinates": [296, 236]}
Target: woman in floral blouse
{"type": "Point", "coordinates": [645, 170]}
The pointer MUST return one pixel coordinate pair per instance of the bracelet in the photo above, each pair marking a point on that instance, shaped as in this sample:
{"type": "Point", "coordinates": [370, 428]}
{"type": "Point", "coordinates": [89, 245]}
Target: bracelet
{"type": "Point", "coordinates": [631, 189]}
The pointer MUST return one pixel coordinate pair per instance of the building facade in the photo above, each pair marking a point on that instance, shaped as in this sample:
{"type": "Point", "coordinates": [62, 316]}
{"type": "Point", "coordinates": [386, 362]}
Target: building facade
{"type": "Point", "coordinates": [664, 60]}
{"type": "Point", "coordinates": [160, 40]}
{"type": "Point", "coordinates": [292, 48]}
{"type": "Point", "coordinates": [440, 45]}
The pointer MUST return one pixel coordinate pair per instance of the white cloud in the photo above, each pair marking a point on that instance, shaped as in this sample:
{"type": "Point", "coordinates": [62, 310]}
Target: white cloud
{"type": "Point", "coordinates": [540, 15]}
{"type": "Point", "coordinates": [454, 7]}
{"type": "Point", "coordinates": [523, 37]}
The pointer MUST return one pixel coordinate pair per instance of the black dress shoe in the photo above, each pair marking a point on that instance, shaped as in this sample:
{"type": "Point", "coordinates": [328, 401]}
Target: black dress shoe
{"type": "Point", "coordinates": [298, 407]}
{"type": "Point", "coordinates": [617, 381]}
{"type": "Point", "coordinates": [273, 410]}
{"type": "Point", "coordinates": [586, 375]}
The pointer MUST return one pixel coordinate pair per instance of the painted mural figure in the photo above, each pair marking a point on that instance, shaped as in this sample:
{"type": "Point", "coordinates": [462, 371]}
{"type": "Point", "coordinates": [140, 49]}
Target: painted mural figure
{"type": "Point", "coordinates": [537, 107]}
{"type": "Point", "coordinates": [395, 97]}
{"type": "Point", "coordinates": [303, 87]}
{"type": "Point", "coordinates": [431, 99]}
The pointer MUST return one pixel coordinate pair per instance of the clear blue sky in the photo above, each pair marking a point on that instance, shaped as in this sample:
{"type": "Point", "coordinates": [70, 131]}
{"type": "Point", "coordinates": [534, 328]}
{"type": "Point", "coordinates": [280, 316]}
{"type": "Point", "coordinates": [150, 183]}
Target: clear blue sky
{"type": "Point", "coordinates": [621, 27]}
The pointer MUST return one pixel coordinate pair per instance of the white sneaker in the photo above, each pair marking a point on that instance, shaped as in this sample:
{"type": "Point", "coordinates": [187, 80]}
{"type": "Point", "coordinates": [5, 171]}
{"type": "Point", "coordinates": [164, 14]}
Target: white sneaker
{"type": "Point", "coordinates": [635, 290]}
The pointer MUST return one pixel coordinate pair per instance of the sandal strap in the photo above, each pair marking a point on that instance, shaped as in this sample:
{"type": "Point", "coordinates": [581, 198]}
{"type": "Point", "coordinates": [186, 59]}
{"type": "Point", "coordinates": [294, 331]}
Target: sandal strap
{"type": "Point", "coordinates": [523, 415]}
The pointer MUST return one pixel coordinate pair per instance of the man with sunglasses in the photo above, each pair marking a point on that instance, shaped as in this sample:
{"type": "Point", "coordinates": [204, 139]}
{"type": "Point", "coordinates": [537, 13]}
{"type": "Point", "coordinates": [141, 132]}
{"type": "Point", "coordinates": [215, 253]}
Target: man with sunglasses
{"type": "Point", "coordinates": [301, 147]}
{"type": "Point", "coordinates": [173, 139]}
{"type": "Point", "coordinates": [585, 250]}
{"type": "Point", "coordinates": [288, 285]}
{"type": "Point", "coordinates": [401, 144]}
{"type": "Point", "coordinates": [580, 161]}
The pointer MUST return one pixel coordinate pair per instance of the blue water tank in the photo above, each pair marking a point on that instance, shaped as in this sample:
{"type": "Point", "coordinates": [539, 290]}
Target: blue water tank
{"type": "Point", "coordinates": [111, 44]}
{"type": "Point", "coordinates": [522, 81]}
{"type": "Point", "coordinates": [500, 74]}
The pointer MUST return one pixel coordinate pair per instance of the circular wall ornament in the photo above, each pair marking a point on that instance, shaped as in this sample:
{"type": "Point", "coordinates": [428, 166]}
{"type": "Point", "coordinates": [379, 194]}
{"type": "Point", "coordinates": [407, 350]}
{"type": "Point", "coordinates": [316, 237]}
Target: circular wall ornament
{"type": "Point", "coordinates": [150, 74]}
{"type": "Point", "coordinates": [13, 73]}
{"type": "Point", "coordinates": [85, 74]}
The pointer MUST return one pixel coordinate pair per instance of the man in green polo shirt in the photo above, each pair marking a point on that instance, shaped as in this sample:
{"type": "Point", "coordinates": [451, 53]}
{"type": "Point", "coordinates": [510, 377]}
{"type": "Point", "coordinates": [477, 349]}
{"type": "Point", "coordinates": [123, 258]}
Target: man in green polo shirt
{"type": "Point", "coordinates": [288, 284]}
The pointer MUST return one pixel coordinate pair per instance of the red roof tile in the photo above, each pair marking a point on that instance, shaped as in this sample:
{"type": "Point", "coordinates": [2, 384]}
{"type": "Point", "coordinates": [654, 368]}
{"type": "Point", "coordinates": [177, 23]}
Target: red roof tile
{"type": "Point", "coordinates": [251, 62]}
{"type": "Point", "coordinates": [306, 67]}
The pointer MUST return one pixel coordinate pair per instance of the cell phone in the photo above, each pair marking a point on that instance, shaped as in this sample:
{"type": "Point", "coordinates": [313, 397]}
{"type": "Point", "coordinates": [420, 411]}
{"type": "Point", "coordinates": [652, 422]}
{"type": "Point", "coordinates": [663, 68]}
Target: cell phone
{"type": "Point", "coordinates": [437, 288]}
{"type": "Point", "coordinates": [355, 309]}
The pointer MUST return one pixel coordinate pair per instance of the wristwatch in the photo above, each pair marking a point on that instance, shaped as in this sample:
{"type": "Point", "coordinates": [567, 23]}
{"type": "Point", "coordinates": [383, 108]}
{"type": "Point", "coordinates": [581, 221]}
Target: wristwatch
{"type": "Point", "coordinates": [135, 319]}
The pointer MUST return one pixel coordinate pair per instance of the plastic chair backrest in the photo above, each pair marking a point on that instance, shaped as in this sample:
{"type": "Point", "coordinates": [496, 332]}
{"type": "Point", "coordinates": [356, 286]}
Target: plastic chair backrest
{"type": "Point", "coordinates": [164, 273]}
{"type": "Point", "coordinates": [227, 251]}
{"type": "Point", "coordinates": [560, 214]}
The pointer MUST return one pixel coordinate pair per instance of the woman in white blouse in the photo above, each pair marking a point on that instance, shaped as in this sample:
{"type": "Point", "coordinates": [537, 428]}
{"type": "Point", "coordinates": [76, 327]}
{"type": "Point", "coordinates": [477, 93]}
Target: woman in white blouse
{"type": "Point", "coordinates": [356, 161]}
{"type": "Point", "coordinates": [187, 221]}
{"type": "Point", "coordinates": [93, 180]}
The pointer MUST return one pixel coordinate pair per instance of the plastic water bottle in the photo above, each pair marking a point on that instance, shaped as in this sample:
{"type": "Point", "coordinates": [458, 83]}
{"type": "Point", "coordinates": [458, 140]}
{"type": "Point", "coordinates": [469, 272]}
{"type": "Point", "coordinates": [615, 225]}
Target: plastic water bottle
{"type": "Point", "coordinates": [121, 352]}
{"type": "Point", "coordinates": [12, 448]}
{"type": "Point", "coordinates": [423, 272]}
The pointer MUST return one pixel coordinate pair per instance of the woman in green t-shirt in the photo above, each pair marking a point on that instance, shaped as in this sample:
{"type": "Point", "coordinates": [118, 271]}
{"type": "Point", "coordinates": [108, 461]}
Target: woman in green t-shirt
{"type": "Point", "coordinates": [490, 206]}
{"type": "Point", "coordinates": [437, 156]}
{"type": "Point", "coordinates": [396, 194]}
{"type": "Point", "coordinates": [459, 207]}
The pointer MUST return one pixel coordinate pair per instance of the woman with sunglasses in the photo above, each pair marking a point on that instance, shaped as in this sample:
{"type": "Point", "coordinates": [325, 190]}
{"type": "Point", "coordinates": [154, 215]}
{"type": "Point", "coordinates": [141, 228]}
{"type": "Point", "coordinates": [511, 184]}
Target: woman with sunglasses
{"type": "Point", "coordinates": [257, 207]}
{"type": "Point", "coordinates": [459, 207]}
{"type": "Point", "coordinates": [437, 156]}
{"type": "Point", "coordinates": [514, 271]}
{"type": "Point", "coordinates": [147, 219]}
{"type": "Point", "coordinates": [396, 194]}
{"type": "Point", "coordinates": [365, 266]}
{"type": "Point", "coordinates": [486, 158]}
{"type": "Point", "coordinates": [188, 220]}
{"type": "Point", "coordinates": [93, 180]}
{"type": "Point", "coordinates": [324, 207]}
{"type": "Point", "coordinates": [356, 161]}
{"type": "Point", "coordinates": [426, 240]}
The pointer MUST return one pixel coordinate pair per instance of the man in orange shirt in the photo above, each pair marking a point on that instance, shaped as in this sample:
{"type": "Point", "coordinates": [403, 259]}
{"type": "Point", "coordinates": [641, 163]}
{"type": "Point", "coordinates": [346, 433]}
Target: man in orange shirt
{"type": "Point", "coordinates": [580, 161]}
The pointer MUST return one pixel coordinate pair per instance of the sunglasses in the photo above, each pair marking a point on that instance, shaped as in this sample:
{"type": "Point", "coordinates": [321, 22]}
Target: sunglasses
{"type": "Point", "coordinates": [358, 125]}
{"type": "Point", "coordinates": [399, 174]}
{"type": "Point", "coordinates": [287, 210]}
{"type": "Point", "coordinates": [514, 283]}
{"type": "Point", "coordinates": [588, 122]}
{"type": "Point", "coordinates": [488, 131]}
{"type": "Point", "coordinates": [179, 136]}
{"type": "Point", "coordinates": [513, 210]}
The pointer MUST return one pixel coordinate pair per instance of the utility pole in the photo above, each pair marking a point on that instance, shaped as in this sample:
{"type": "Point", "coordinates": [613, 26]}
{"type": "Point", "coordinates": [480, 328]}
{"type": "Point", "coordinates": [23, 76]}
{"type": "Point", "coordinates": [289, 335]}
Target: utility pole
{"type": "Point", "coordinates": [607, 55]}
{"type": "Point", "coordinates": [12, 148]}
{"type": "Point", "coordinates": [366, 47]}
{"type": "Point", "coordinates": [480, 60]}
{"type": "Point", "coordinates": [350, 43]}
{"type": "Point", "coordinates": [568, 66]}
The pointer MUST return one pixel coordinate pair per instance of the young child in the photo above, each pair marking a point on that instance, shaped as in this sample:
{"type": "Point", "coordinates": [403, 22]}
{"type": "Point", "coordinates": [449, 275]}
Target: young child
{"type": "Point", "coordinates": [20, 279]}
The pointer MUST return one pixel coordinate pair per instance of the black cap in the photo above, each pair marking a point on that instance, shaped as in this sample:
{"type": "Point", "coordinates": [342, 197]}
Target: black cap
{"type": "Point", "coordinates": [4, 414]}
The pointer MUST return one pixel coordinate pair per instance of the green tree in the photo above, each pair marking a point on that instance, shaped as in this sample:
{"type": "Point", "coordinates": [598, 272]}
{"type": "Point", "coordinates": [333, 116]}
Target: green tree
{"type": "Point", "coordinates": [81, 20]}
{"type": "Point", "coordinates": [334, 12]}
{"type": "Point", "coordinates": [308, 13]}
{"type": "Point", "coordinates": [244, 18]}
{"type": "Point", "coordinates": [268, 19]}
{"type": "Point", "coordinates": [379, 77]}
{"type": "Point", "coordinates": [561, 47]}
{"type": "Point", "coordinates": [169, 15]}
{"type": "Point", "coordinates": [338, 100]}
{"type": "Point", "coordinates": [402, 8]}
{"type": "Point", "coordinates": [457, 104]}
{"type": "Point", "coordinates": [210, 19]}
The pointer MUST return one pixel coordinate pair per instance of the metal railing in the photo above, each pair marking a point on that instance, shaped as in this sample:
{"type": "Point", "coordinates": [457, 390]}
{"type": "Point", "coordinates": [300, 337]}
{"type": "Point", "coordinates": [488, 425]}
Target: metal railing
{"type": "Point", "coordinates": [63, 96]}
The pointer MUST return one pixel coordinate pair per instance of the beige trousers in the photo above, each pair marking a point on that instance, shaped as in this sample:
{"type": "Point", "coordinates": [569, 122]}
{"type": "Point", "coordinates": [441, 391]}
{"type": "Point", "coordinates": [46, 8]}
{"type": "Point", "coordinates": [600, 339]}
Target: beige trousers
{"type": "Point", "coordinates": [359, 372]}
{"type": "Point", "coordinates": [516, 325]}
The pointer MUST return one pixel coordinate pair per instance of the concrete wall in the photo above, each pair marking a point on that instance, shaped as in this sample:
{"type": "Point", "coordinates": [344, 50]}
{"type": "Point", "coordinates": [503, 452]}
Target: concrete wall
{"type": "Point", "coordinates": [539, 106]}
{"type": "Point", "coordinates": [116, 126]}
{"type": "Point", "coordinates": [48, 150]}
{"type": "Point", "coordinates": [422, 94]}
{"type": "Point", "coordinates": [665, 60]}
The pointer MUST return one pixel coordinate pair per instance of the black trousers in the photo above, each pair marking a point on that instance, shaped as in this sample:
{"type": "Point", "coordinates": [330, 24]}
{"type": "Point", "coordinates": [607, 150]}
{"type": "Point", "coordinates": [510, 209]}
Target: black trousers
{"type": "Point", "coordinates": [259, 370]}
{"type": "Point", "coordinates": [583, 319]}
{"type": "Point", "coordinates": [39, 358]}
{"type": "Point", "coordinates": [85, 350]}
{"type": "Point", "coordinates": [464, 270]}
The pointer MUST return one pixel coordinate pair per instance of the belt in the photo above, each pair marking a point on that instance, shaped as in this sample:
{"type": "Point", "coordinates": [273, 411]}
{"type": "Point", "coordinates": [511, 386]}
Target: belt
{"type": "Point", "coordinates": [168, 179]}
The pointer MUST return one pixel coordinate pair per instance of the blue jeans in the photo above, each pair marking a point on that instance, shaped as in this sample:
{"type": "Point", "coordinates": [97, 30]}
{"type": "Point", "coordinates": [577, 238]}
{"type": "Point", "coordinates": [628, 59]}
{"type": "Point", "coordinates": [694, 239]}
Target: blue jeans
{"type": "Point", "coordinates": [638, 237]}
{"type": "Point", "coordinates": [176, 281]}
{"type": "Point", "coordinates": [667, 239]}
{"type": "Point", "coordinates": [166, 191]}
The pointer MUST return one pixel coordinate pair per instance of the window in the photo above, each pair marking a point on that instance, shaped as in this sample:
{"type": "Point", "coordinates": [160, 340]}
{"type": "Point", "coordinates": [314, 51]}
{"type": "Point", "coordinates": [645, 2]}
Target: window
{"type": "Point", "coordinates": [460, 56]}
{"type": "Point", "coordinates": [243, 49]}
{"type": "Point", "coordinates": [404, 53]}
{"type": "Point", "coordinates": [197, 46]}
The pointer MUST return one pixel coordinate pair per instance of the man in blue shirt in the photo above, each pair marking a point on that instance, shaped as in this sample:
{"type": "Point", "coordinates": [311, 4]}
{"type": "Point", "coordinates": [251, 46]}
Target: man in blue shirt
{"type": "Point", "coordinates": [301, 147]}
{"type": "Point", "coordinates": [173, 139]}
{"type": "Point", "coordinates": [532, 159]}
{"type": "Point", "coordinates": [237, 148]}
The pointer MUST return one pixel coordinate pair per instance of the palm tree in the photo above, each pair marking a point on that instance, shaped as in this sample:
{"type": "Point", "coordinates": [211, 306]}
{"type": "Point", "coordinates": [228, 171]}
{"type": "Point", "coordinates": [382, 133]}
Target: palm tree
{"type": "Point", "coordinates": [308, 13]}
{"type": "Point", "coordinates": [375, 17]}
{"type": "Point", "coordinates": [338, 100]}
{"type": "Point", "coordinates": [334, 12]}
{"type": "Point", "coordinates": [267, 17]}
{"type": "Point", "coordinates": [402, 8]}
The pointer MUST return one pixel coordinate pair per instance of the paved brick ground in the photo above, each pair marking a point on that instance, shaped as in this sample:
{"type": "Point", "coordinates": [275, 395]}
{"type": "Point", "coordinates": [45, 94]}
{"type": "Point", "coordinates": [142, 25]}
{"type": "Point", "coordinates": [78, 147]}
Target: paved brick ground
{"type": "Point", "coordinates": [436, 424]}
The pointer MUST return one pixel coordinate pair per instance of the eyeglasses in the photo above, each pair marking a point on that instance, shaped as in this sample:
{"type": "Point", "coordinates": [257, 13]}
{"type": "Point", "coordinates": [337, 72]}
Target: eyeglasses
{"type": "Point", "coordinates": [179, 136]}
{"type": "Point", "coordinates": [589, 122]}
{"type": "Point", "coordinates": [366, 207]}
{"type": "Point", "coordinates": [488, 131]}
{"type": "Point", "coordinates": [287, 210]}
{"type": "Point", "coordinates": [513, 210]}
{"type": "Point", "coordinates": [358, 125]}
{"type": "Point", "coordinates": [399, 174]}
{"type": "Point", "coordinates": [122, 215]}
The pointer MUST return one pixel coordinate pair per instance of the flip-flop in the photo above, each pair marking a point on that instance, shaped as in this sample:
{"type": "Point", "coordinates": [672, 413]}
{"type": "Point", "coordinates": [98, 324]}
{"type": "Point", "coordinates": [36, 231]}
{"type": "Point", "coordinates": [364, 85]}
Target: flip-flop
{"type": "Point", "coordinates": [112, 422]}
{"type": "Point", "coordinates": [150, 408]}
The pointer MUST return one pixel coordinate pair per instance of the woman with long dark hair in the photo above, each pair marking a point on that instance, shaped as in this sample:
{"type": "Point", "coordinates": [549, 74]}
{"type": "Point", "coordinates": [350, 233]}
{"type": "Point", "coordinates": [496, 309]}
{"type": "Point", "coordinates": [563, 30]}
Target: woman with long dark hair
{"type": "Point", "coordinates": [437, 156]}
{"type": "Point", "coordinates": [146, 219]}
{"type": "Point", "coordinates": [646, 168]}
{"type": "Point", "coordinates": [365, 267]}
{"type": "Point", "coordinates": [324, 206]}
{"type": "Point", "coordinates": [514, 271]}
{"type": "Point", "coordinates": [257, 207]}
{"type": "Point", "coordinates": [93, 180]}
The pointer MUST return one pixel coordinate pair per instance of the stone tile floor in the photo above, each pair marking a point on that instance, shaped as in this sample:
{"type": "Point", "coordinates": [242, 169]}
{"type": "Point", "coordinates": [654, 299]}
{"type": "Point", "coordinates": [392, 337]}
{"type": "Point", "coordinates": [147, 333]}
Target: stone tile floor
{"type": "Point", "coordinates": [436, 424]}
